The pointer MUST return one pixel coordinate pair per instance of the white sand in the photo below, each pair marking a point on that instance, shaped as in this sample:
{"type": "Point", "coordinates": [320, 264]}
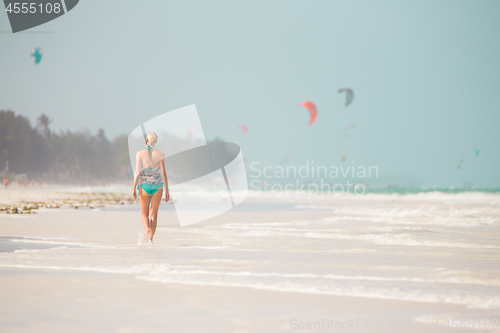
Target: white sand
{"type": "Point", "coordinates": [59, 301]}
{"type": "Point", "coordinates": [186, 281]}
{"type": "Point", "coordinates": [60, 195]}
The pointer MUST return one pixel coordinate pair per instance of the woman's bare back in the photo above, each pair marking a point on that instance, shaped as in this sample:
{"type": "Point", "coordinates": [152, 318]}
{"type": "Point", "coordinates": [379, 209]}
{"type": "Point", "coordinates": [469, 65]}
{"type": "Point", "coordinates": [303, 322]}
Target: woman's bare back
{"type": "Point", "coordinates": [144, 160]}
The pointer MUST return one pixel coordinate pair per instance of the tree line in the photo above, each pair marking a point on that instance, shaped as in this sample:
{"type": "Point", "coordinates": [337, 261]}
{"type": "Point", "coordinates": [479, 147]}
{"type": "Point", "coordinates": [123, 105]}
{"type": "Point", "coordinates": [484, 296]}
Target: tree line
{"type": "Point", "coordinates": [68, 157]}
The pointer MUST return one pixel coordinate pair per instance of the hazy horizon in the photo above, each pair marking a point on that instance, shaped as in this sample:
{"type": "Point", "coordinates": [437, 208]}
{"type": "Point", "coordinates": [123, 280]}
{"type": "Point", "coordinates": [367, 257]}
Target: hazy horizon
{"type": "Point", "coordinates": [425, 77]}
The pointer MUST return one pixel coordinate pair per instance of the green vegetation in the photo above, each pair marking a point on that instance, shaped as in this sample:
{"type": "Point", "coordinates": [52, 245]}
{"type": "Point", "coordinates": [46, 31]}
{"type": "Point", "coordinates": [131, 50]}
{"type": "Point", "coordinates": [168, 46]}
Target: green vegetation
{"type": "Point", "coordinates": [68, 157]}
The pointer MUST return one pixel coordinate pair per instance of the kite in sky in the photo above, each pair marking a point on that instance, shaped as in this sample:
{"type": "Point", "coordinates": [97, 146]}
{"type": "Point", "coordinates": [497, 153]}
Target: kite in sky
{"type": "Point", "coordinates": [285, 159]}
{"type": "Point", "coordinates": [476, 152]}
{"type": "Point", "coordinates": [347, 128]}
{"type": "Point", "coordinates": [244, 128]}
{"type": "Point", "coordinates": [343, 155]}
{"type": "Point", "coordinates": [349, 95]}
{"type": "Point", "coordinates": [313, 111]}
{"type": "Point", "coordinates": [192, 130]}
{"type": "Point", "coordinates": [37, 53]}
{"type": "Point", "coordinates": [459, 164]}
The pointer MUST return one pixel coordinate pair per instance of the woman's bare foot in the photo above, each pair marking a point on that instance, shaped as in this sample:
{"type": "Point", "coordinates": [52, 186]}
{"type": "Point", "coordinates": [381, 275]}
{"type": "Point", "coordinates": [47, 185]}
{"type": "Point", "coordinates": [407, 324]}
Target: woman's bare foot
{"type": "Point", "coordinates": [146, 236]}
{"type": "Point", "coordinates": [151, 237]}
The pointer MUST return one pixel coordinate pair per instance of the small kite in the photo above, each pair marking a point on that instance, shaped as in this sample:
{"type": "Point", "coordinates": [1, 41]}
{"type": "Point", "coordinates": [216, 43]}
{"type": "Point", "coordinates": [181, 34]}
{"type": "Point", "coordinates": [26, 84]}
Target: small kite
{"type": "Point", "coordinates": [192, 130]}
{"type": "Point", "coordinates": [459, 164]}
{"type": "Point", "coordinates": [244, 128]}
{"type": "Point", "coordinates": [347, 128]}
{"type": "Point", "coordinates": [476, 151]}
{"type": "Point", "coordinates": [285, 159]}
{"type": "Point", "coordinates": [37, 53]}
{"type": "Point", "coordinates": [343, 155]}
{"type": "Point", "coordinates": [313, 111]}
{"type": "Point", "coordinates": [349, 95]}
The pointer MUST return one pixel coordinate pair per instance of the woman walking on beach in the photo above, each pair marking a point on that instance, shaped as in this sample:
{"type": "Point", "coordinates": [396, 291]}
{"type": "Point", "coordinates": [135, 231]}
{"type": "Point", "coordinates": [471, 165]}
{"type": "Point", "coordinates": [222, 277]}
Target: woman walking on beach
{"type": "Point", "coordinates": [150, 178]}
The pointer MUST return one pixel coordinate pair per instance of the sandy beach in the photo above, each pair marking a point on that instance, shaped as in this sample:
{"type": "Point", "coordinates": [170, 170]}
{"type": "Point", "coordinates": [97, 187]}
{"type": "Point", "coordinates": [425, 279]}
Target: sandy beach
{"type": "Point", "coordinates": [59, 301]}
{"type": "Point", "coordinates": [24, 200]}
{"type": "Point", "coordinates": [273, 264]}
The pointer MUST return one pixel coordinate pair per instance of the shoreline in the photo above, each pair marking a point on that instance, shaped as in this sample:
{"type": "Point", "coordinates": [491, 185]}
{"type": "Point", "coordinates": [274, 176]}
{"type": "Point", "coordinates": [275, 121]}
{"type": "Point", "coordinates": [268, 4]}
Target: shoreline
{"type": "Point", "coordinates": [255, 268]}
{"type": "Point", "coordinates": [19, 200]}
{"type": "Point", "coordinates": [70, 270]}
{"type": "Point", "coordinates": [169, 239]}
{"type": "Point", "coordinates": [78, 298]}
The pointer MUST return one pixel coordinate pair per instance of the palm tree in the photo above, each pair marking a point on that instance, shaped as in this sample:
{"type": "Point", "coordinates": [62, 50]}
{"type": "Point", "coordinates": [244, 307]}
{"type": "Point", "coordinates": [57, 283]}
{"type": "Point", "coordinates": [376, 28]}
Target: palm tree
{"type": "Point", "coordinates": [43, 125]}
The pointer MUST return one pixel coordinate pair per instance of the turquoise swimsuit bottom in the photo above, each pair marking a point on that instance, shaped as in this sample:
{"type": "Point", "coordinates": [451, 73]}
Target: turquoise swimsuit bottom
{"type": "Point", "coordinates": [151, 179]}
{"type": "Point", "coordinates": [150, 189]}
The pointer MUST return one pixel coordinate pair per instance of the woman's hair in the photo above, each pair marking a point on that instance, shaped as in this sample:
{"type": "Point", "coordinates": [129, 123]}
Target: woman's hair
{"type": "Point", "coordinates": [152, 138]}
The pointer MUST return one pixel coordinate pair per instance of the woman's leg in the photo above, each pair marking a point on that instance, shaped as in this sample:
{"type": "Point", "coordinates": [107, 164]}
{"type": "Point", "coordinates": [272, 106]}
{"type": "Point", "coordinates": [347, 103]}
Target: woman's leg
{"type": "Point", "coordinates": [155, 204]}
{"type": "Point", "coordinates": [145, 200]}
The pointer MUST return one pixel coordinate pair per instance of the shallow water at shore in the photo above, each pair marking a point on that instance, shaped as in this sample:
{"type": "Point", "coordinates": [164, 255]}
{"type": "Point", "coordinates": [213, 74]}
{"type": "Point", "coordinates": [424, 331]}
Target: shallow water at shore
{"type": "Point", "coordinates": [423, 247]}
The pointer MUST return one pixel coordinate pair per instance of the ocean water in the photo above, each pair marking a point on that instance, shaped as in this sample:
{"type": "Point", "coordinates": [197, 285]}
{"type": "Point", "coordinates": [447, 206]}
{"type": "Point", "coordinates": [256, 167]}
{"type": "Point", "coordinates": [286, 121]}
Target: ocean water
{"type": "Point", "coordinates": [426, 246]}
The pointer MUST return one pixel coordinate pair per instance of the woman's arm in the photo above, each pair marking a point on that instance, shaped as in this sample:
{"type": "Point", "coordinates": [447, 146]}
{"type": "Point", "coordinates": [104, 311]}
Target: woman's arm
{"type": "Point", "coordinates": [138, 168]}
{"type": "Point", "coordinates": [165, 180]}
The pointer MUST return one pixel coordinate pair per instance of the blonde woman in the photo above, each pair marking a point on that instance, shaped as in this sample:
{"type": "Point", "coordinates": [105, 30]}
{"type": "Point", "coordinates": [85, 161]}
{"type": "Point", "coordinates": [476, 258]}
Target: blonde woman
{"type": "Point", "coordinates": [150, 178]}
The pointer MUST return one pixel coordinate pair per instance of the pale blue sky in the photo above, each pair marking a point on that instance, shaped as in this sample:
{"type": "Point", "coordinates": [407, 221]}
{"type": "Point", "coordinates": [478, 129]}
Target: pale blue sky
{"type": "Point", "coordinates": [426, 77]}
